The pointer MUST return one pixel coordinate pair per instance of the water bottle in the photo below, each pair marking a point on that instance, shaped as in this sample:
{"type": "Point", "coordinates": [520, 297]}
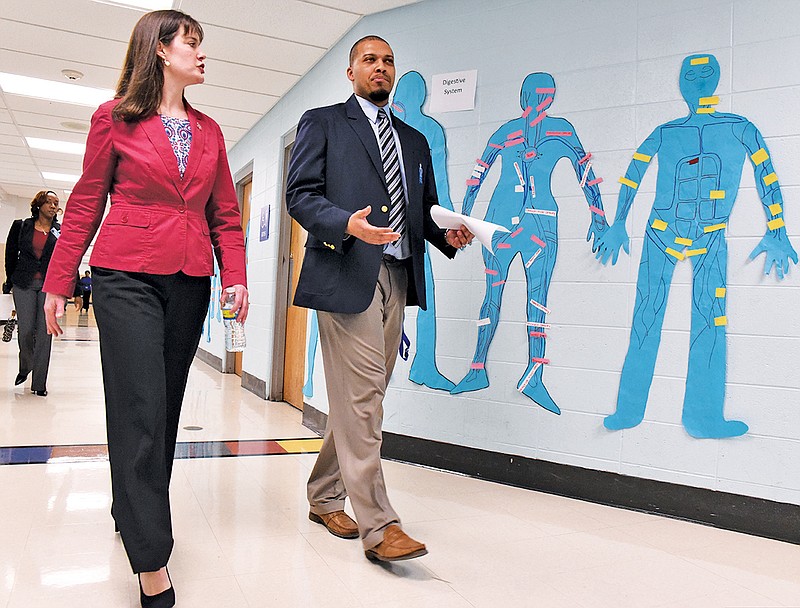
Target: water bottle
{"type": "Point", "coordinates": [234, 331]}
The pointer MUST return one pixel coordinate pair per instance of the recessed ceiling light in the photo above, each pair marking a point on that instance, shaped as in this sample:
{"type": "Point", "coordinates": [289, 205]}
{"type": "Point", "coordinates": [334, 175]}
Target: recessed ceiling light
{"type": "Point", "coordinates": [54, 145]}
{"type": "Point", "coordinates": [60, 177]}
{"type": "Point", "coordinates": [142, 5]}
{"type": "Point", "coordinates": [52, 90]}
{"type": "Point", "coordinates": [76, 125]}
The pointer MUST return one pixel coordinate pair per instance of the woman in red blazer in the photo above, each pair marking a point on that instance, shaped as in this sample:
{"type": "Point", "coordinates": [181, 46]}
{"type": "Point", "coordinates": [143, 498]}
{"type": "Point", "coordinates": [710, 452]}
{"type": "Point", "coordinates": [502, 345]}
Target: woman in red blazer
{"type": "Point", "coordinates": [172, 199]}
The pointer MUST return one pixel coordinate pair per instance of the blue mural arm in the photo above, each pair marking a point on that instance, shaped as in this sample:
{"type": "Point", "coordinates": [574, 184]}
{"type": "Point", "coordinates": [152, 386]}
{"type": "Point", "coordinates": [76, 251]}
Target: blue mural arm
{"type": "Point", "coordinates": [440, 169]}
{"type": "Point", "coordinates": [616, 236]}
{"type": "Point", "coordinates": [775, 245]}
{"type": "Point", "coordinates": [589, 184]}
{"type": "Point", "coordinates": [496, 143]}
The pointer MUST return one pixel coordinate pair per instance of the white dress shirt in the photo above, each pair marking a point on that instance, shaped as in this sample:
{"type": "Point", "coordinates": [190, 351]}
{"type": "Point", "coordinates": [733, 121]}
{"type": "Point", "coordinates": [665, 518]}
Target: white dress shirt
{"type": "Point", "coordinates": [400, 249]}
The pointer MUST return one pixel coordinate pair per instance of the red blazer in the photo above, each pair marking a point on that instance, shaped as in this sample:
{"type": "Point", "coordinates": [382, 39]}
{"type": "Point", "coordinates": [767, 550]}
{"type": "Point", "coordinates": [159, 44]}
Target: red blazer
{"type": "Point", "coordinates": [158, 223]}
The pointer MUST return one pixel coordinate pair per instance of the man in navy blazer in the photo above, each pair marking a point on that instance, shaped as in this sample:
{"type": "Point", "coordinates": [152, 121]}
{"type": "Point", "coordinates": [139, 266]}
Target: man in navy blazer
{"type": "Point", "coordinates": [363, 264]}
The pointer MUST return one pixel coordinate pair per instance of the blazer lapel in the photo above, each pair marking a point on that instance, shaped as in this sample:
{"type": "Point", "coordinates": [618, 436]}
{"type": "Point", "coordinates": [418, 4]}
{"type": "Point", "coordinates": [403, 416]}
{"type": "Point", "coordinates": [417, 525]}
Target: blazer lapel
{"type": "Point", "coordinates": [154, 129]}
{"type": "Point", "coordinates": [361, 126]}
{"type": "Point", "coordinates": [198, 144]}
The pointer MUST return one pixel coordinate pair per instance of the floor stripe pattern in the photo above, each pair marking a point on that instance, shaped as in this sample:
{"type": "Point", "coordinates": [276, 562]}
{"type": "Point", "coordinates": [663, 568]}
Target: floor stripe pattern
{"type": "Point", "coordinates": [52, 454]}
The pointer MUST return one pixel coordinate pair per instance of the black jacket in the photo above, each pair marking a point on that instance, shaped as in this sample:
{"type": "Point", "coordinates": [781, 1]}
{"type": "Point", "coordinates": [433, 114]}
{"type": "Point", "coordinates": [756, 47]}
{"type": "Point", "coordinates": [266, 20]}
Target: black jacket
{"type": "Point", "coordinates": [335, 170]}
{"type": "Point", "coordinates": [21, 262]}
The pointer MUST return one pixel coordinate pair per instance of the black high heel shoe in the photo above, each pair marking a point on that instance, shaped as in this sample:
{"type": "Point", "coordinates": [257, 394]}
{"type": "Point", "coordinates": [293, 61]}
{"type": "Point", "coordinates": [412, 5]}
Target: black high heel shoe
{"type": "Point", "coordinates": [165, 599]}
{"type": "Point", "coordinates": [20, 378]}
{"type": "Point", "coordinates": [39, 393]}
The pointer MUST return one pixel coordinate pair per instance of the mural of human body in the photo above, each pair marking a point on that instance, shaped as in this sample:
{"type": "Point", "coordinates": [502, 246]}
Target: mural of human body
{"type": "Point", "coordinates": [700, 165]}
{"type": "Point", "coordinates": [529, 146]}
{"type": "Point", "coordinates": [407, 105]}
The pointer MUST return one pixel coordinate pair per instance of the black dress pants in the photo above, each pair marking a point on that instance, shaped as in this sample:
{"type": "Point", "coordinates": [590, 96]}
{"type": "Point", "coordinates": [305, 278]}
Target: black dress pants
{"type": "Point", "coordinates": [149, 331]}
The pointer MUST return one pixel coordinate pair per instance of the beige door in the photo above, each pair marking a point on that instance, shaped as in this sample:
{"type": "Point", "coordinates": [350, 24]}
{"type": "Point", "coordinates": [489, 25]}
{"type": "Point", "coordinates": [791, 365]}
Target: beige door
{"type": "Point", "coordinates": [246, 191]}
{"type": "Point", "coordinates": [294, 364]}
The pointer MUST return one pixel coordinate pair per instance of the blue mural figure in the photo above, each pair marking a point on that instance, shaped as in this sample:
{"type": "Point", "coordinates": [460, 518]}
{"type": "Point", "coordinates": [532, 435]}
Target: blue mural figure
{"type": "Point", "coordinates": [529, 146]}
{"type": "Point", "coordinates": [407, 105]}
{"type": "Point", "coordinates": [214, 311]}
{"type": "Point", "coordinates": [311, 355]}
{"type": "Point", "coordinates": [700, 165]}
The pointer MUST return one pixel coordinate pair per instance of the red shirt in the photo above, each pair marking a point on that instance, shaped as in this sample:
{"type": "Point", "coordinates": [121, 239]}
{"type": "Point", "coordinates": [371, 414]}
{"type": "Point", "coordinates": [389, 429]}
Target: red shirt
{"type": "Point", "coordinates": [38, 243]}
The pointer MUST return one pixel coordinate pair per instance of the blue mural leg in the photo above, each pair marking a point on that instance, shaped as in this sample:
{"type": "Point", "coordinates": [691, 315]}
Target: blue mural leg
{"type": "Point", "coordinates": [538, 275]}
{"type": "Point", "coordinates": [213, 304]}
{"type": "Point", "coordinates": [423, 367]}
{"type": "Point", "coordinates": [705, 382]}
{"type": "Point", "coordinates": [652, 289]}
{"type": "Point", "coordinates": [313, 340]}
{"type": "Point", "coordinates": [497, 272]}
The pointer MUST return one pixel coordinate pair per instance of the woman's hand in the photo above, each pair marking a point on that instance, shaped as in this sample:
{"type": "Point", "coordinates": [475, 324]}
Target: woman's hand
{"type": "Point", "coordinates": [241, 304]}
{"type": "Point", "coordinates": [54, 310]}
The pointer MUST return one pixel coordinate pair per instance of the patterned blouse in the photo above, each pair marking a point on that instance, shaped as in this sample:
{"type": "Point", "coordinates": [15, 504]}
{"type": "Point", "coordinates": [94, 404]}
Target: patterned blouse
{"type": "Point", "coordinates": [179, 133]}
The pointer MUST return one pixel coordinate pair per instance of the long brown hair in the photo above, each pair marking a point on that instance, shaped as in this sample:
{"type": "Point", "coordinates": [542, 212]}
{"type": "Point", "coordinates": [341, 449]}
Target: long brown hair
{"type": "Point", "coordinates": [142, 80]}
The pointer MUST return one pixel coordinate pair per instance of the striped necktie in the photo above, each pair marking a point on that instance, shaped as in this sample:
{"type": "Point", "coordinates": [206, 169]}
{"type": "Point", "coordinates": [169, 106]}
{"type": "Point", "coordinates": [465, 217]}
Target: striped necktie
{"type": "Point", "coordinates": [391, 167]}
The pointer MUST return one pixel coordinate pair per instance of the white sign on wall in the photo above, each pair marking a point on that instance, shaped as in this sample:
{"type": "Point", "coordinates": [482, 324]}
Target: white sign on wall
{"type": "Point", "coordinates": [454, 91]}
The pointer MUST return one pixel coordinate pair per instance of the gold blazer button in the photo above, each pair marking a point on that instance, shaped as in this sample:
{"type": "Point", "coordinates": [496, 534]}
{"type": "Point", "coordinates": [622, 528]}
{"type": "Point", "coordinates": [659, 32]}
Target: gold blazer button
{"type": "Point", "coordinates": [384, 208]}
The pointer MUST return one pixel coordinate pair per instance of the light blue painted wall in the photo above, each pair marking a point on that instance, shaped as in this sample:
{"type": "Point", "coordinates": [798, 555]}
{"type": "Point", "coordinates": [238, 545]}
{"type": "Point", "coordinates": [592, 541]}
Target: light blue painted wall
{"type": "Point", "coordinates": [615, 63]}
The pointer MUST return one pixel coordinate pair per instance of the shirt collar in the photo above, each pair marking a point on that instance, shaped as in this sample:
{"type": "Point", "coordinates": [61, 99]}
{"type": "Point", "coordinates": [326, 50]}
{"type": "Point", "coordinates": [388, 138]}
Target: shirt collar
{"type": "Point", "coordinates": [371, 110]}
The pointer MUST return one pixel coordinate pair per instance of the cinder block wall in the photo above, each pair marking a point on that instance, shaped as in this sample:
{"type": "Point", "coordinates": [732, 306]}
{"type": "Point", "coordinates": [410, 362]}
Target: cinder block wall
{"type": "Point", "coordinates": [616, 65]}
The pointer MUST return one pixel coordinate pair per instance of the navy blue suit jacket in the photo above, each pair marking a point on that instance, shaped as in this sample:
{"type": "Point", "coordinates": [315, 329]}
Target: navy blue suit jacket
{"type": "Point", "coordinates": [335, 170]}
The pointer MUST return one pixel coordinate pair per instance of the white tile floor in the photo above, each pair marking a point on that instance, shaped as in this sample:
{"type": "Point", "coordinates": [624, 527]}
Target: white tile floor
{"type": "Point", "coordinates": [243, 538]}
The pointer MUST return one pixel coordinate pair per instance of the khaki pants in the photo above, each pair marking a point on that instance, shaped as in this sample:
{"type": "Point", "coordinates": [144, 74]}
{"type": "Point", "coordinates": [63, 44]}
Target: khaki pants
{"type": "Point", "coordinates": [359, 352]}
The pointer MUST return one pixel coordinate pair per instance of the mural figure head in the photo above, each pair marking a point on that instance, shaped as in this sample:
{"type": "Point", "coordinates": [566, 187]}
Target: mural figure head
{"type": "Point", "coordinates": [371, 69]}
{"type": "Point", "coordinates": [699, 78]}
{"type": "Point", "coordinates": [410, 92]}
{"type": "Point", "coordinates": [529, 96]}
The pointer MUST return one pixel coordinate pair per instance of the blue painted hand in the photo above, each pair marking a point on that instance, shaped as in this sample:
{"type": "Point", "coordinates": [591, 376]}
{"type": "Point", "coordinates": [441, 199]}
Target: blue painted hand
{"type": "Point", "coordinates": [607, 245]}
{"type": "Point", "coordinates": [777, 251]}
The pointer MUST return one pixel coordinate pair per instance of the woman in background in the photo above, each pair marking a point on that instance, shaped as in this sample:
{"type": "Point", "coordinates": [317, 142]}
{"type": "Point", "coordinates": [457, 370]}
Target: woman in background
{"type": "Point", "coordinates": [172, 196]}
{"type": "Point", "coordinates": [29, 246]}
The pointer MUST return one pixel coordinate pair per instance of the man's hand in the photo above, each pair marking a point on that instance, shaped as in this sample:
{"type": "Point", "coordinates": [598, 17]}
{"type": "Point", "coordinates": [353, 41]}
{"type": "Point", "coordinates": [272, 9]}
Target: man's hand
{"type": "Point", "coordinates": [459, 238]}
{"type": "Point", "coordinates": [359, 227]}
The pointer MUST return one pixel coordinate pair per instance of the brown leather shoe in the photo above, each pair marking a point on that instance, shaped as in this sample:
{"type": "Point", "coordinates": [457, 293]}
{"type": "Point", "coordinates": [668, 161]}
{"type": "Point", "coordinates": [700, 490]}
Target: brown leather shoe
{"type": "Point", "coordinates": [338, 523]}
{"type": "Point", "coordinates": [395, 546]}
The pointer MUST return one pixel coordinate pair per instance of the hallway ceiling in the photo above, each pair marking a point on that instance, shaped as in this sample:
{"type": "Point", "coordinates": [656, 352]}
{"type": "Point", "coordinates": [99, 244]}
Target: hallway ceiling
{"type": "Point", "coordinates": [257, 50]}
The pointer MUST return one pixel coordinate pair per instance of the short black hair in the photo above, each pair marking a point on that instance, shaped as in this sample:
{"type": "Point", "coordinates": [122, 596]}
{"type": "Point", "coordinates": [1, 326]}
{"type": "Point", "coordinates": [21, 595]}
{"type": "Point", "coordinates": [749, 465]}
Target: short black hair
{"type": "Point", "coordinates": [354, 48]}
